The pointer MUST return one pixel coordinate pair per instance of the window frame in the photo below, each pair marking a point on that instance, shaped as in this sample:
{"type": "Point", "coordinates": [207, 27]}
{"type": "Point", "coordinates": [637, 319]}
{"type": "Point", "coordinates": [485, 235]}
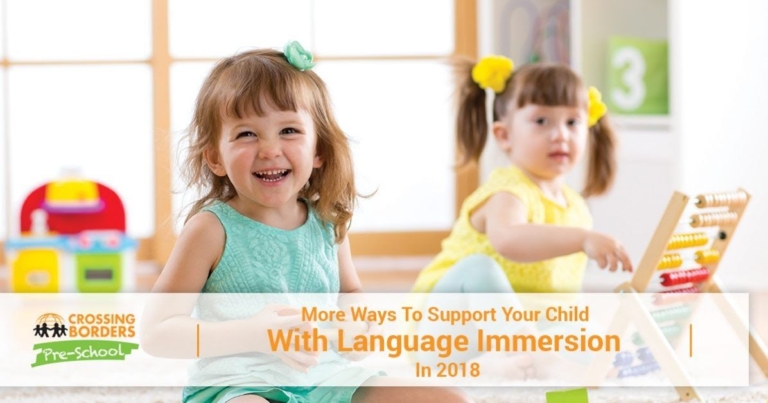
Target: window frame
{"type": "Point", "coordinates": [158, 246]}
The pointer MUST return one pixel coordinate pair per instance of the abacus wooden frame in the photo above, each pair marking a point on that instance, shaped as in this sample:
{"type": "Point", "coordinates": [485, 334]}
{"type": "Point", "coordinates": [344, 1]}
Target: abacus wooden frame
{"type": "Point", "coordinates": [663, 351]}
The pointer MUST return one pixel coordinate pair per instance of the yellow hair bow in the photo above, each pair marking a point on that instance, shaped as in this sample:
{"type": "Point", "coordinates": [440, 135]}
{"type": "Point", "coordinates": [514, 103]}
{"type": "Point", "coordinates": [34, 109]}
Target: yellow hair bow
{"type": "Point", "coordinates": [596, 107]}
{"type": "Point", "coordinates": [492, 72]}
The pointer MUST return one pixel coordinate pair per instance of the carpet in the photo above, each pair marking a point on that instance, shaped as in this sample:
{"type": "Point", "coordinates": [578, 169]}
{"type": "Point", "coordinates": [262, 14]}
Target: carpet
{"type": "Point", "coordinates": [754, 394]}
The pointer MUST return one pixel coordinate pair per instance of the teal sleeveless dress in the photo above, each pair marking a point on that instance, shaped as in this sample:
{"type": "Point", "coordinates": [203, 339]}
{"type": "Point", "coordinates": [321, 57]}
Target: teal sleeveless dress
{"type": "Point", "coordinates": [261, 259]}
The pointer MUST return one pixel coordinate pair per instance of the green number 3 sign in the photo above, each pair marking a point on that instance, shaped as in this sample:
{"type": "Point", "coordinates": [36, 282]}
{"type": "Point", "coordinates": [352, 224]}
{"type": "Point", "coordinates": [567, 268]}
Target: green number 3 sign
{"type": "Point", "coordinates": [638, 76]}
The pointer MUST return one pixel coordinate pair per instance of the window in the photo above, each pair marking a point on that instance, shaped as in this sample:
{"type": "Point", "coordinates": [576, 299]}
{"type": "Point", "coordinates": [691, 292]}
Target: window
{"type": "Point", "coordinates": [112, 95]}
{"type": "Point", "coordinates": [77, 96]}
{"type": "Point", "coordinates": [397, 114]}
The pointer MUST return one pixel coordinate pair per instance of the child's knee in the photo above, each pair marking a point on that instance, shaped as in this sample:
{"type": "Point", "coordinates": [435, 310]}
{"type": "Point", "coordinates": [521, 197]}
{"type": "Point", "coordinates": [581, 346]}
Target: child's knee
{"type": "Point", "coordinates": [486, 275]}
{"type": "Point", "coordinates": [479, 260]}
{"type": "Point", "coordinates": [476, 273]}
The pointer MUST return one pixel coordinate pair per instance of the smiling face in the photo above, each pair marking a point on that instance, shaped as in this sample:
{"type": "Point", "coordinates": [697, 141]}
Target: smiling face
{"type": "Point", "coordinates": [546, 141]}
{"type": "Point", "coordinates": [267, 158]}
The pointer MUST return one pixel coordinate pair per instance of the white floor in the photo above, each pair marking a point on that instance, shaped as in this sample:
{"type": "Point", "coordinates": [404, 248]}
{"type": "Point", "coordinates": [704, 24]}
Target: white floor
{"type": "Point", "coordinates": [755, 394]}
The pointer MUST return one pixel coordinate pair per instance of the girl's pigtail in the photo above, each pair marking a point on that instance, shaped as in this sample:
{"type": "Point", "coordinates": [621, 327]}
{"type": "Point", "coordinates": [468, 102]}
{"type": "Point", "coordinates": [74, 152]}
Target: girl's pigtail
{"type": "Point", "coordinates": [471, 122]}
{"type": "Point", "coordinates": [602, 158]}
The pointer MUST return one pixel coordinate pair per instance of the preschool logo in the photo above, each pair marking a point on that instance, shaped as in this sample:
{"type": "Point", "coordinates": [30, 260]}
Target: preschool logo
{"type": "Point", "coordinates": [75, 330]}
{"type": "Point", "coordinates": [52, 322]}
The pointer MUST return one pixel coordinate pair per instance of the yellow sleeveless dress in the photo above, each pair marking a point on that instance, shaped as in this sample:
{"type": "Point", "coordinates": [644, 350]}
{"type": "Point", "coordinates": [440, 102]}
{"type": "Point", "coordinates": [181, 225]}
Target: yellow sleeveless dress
{"type": "Point", "coordinates": [561, 274]}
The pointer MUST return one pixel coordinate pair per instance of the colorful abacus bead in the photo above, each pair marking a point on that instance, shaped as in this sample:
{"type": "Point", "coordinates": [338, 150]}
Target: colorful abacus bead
{"type": "Point", "coordinates": [680, 241]}
{"type": "Point", "coordinates": [707, 256]}
{"type": "Point", "coordinates": [666, 315]}
{"type": "Point", "coordinates": [686, 290]}
{"type": "Point", "coordinates": [724, 218]}
{"type": "Point", "coordinates": [731, 199]}
{"type": "Point", "coordinates": [670, 261]}
{"type": "Point", "coordinates": [677, 295]}
{"type": "Point", "coordinates": [678, 277]}
{"type": "Point", "coordinates": [672, 330]}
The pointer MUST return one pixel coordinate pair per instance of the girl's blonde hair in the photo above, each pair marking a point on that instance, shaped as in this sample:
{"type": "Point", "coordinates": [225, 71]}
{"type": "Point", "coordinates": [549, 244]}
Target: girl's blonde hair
{"type": "Point", "coordinates": [540, 84]}
{"type": "Point", "coordinates": [242, 84]}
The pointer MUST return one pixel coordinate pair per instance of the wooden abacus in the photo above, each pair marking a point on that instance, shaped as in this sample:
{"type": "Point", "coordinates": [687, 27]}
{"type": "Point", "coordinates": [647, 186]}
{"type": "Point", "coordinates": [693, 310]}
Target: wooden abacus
{"type": "Point", "coordinates": [666, 253]}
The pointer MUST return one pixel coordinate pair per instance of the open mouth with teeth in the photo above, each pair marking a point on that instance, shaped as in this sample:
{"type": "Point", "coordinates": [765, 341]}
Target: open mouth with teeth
{"type": "Point", "coordinates": [273, 175]}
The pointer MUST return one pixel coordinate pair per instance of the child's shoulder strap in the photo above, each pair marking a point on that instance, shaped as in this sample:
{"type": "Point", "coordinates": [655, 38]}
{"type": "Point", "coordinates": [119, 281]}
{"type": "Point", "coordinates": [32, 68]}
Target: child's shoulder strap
{"type": "Point", "coordinates": [217, 208]}
{"type": "Point", "coordinates": [325, 228]}
{"type": "Point", "coordinates": [223, 212]}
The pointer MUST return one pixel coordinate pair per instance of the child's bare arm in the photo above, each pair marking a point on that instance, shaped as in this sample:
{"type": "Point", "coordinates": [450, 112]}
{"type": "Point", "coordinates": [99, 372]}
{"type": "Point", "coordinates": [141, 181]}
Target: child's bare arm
{"type": "Point", "coordinates": [168, 330]}
{"type": "Point", "coordinates": [351, 289]}
{"type": "Point", "coordinates": [350, 282]}
{"type": "Point", "coordinates": [513, 237]}
{"type": "Point", "coordinates": [352, 295]}
{"type": "Point", "coordinates": [197, 250]}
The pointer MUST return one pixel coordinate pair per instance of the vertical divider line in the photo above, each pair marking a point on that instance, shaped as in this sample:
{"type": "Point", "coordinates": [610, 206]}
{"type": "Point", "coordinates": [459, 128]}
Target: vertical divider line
{"type": "Point", "coordinates": [690, 340]}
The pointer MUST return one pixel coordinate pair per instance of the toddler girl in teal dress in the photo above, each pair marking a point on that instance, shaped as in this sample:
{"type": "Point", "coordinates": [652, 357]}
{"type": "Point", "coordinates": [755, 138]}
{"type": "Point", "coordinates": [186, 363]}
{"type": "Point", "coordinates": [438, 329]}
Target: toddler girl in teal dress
{"type": "Point", "coordinates": [276, 175]}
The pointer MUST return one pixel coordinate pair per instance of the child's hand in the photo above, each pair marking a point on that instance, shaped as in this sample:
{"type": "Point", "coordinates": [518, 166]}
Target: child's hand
{"type": "Point", "coordinates": [284, 317]}
{"type": "Point", "coordinates": [356, 328]}
{"type": "Point", "coordinates": [607, 251]}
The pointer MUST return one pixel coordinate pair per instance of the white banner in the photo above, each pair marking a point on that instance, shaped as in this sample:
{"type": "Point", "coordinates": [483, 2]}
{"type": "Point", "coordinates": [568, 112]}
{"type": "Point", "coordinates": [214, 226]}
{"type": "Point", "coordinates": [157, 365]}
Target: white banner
{"type": "Point", "coordinates": [342, 340]}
